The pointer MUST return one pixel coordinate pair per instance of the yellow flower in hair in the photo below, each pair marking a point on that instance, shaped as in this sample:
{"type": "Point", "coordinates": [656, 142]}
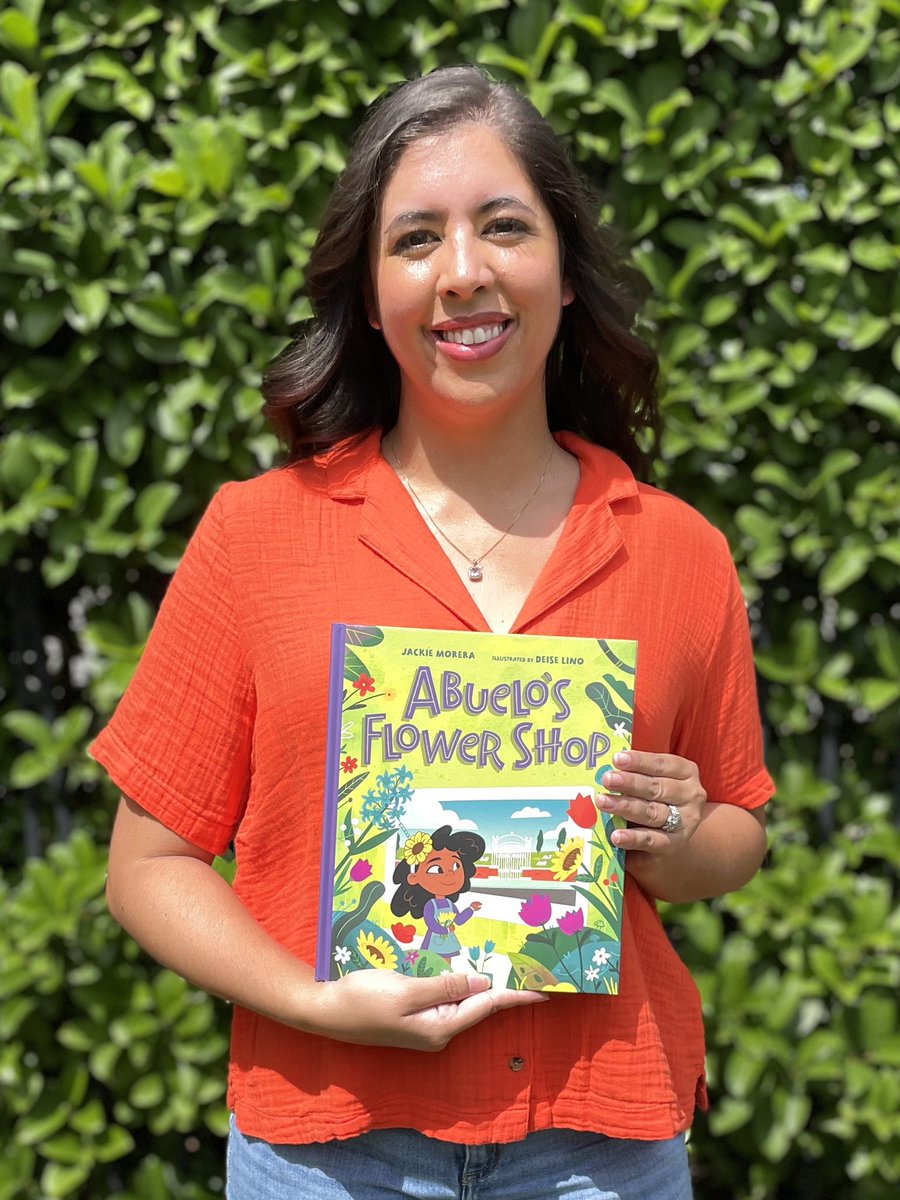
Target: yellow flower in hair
{"type": "Point", "coordinates": [377, 951]}
{"type": "Point", "coordinates": [417, 849]}
{"type": "Point", "coordinates": [568, 858]}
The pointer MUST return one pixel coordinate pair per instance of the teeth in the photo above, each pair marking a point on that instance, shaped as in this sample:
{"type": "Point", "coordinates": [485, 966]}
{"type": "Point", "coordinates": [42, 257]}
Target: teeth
{"type": "Point", "coordinates": [472, 337]}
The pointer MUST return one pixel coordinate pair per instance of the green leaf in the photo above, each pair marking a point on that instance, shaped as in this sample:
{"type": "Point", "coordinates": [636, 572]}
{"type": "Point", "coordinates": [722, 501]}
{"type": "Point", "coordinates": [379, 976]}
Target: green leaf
{"type": "Point", "coordinates": [32, 768]}
{"type": "Point", "coordinates": [157, 316]}
{"type": "Point", "coordinates": [123, 436]}
{"type": "Point", "coordinates": [154, 502]}
{"type": "Point", "coordinates": [91, 301]}
{"type": "Point", "coordinates": [148, 1091]}
{"type": "Point", "coordinates": [17, 31]}
{"type": "Point", "coordinates": [848, 564]}
{"type": "Point", "coordinates": [877, 399]}
{"type": "Point", "coordinates": [834, 260]}
{"type": "Point", "coordinates": [58, 1181]}
{"type": "Point", "coordinates": [114, 1143]}
{"type": "Point", "coordinates": [29, 727]}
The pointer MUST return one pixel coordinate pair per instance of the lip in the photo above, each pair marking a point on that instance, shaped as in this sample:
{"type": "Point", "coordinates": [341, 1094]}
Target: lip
{"type": "Point", "coordinates": [472, 321]}
{"type": "Point", "coordinates": [478, 351]}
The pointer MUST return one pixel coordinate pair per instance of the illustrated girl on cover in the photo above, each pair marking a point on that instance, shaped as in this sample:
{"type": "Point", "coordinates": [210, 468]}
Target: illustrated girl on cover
{"type": "Point", "coordinates": [432, 872]}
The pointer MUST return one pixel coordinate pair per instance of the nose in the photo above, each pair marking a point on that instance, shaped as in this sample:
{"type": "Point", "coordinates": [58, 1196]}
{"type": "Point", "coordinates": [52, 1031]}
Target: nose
{"type": "Point", "coordinates": [465, 266]}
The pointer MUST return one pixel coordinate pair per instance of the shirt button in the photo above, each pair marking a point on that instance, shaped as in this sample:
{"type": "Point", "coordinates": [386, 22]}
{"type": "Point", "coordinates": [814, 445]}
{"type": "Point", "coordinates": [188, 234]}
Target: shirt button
{"type": "Point", "coordinates": [516, 1063]}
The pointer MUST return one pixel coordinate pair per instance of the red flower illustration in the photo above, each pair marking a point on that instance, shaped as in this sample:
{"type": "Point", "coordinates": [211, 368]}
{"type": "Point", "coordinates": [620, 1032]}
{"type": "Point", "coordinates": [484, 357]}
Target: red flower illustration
{"type": "Point", "coordinates": [403, 933]}
{"type": "Point", "coordinates": [536, 910]}
{"type": "Point", "coordinates": [349, 764]}
{"type": "Point", "coordinates": [364, 684]}
{"type": "Point", "coordinates": [583, 812]}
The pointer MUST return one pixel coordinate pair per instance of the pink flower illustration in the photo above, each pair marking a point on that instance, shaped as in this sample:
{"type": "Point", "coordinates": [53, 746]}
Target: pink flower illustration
{"type": "Point", "coordinates": [571, 922]}
{"type": "Point", "coordinates": [360, 870]}
{"type": "Point", "coordinates": [536, 910]}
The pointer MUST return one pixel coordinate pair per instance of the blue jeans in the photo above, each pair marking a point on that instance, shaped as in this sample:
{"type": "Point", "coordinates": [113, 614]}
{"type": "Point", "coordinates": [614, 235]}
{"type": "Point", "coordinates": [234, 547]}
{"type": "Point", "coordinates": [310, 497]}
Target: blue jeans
{"type": "Point", "coordinates": [393, 1163]}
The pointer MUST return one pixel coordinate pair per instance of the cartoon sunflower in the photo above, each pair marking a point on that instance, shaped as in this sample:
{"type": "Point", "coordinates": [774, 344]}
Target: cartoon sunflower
{"type": "Point", "coordinates": [568, 858]}
{"type": "Point", "coordinates": [417, 848]}
{"type": "Point", "coordinates": [377, 951]}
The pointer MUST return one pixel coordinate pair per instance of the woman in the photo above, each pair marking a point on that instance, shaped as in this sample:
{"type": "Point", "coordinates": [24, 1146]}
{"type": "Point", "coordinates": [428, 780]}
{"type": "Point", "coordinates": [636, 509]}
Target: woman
{"type": "Point", "coordinates": [463, 415]}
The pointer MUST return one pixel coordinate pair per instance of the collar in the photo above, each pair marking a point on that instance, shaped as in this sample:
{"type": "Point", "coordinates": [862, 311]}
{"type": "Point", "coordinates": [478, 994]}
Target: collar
{"type": "Point", "coordinates": [355, 471]}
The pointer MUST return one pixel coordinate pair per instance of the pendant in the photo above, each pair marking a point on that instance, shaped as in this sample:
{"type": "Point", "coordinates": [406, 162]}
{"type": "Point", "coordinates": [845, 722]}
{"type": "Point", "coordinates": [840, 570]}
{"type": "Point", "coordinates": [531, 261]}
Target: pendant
{"type": "Point", "coordinates": [475, 572]}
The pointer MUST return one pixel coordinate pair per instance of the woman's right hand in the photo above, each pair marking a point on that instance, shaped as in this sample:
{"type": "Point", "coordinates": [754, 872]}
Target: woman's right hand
{"type": "Point", "coordinates": [382, 1008]}
{"type": "Point", "coordinates": [167, 895]}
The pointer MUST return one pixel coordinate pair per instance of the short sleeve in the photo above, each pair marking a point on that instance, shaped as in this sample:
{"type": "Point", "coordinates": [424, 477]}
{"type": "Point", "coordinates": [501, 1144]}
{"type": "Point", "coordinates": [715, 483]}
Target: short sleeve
{"type": "Point", "coordinates": [721, 729]}
{"type": "Point", "coordinates": [179, 743]}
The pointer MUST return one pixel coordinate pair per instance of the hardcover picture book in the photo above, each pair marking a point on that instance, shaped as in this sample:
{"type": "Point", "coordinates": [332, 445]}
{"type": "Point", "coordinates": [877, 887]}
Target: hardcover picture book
{"type": "Point", "coordinates": [461, 831]}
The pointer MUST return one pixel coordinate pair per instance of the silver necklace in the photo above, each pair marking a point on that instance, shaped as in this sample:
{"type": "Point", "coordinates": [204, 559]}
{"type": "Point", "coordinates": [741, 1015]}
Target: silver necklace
{"type": "Point", "coordinates": [476, 570]}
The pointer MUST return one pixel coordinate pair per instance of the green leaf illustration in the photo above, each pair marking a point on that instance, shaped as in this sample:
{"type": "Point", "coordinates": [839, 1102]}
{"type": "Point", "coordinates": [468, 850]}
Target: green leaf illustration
{"type": "Point", "coordinates": [364, 635]}
{"type": "Point", "coordinates": [600, 694]}
{"type": "Point", "coordinates": [351, 917]}
{"type": "Point", "coordinates": [346, 789]}
{"type": "Point", "coordinates": [530, 973]}
{"type": "Point", "coordinates": [625, 690]}
{"type": "Point", "coordinates": [353, 666]}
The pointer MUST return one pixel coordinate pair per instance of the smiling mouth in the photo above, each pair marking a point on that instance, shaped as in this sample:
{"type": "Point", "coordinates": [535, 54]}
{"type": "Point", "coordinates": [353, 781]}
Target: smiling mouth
{"type": "Point", "coordinates": [474, 336]}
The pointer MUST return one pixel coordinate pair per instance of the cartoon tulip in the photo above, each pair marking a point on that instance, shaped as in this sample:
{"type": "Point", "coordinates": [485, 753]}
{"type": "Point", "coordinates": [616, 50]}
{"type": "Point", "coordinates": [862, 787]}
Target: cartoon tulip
{"type": "Point", "coordinates": [360, 870]}
{"type": "Point", "coordinates": [571, 922]}
{"type": "Point", "coordinates": [583, 812]}
{"type": "Point", "coordinates": [536, 910]}
{"type": "Point", "coordinates": [403, 933]}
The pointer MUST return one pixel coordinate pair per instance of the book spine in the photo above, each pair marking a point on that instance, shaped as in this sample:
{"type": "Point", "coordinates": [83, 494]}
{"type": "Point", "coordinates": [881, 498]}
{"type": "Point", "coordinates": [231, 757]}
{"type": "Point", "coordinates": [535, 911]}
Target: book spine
{"type": "Point", "coordinates": [329, 826]}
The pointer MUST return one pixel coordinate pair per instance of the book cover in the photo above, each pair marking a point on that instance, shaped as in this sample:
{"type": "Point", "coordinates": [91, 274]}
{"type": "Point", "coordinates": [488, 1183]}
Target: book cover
{"type": "Point", "coordinates": [461, 831]}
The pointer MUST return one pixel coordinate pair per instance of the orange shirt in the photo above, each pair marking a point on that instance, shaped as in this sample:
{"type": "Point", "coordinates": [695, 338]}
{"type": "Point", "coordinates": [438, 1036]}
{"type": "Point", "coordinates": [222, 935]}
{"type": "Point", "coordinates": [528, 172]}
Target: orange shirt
{"type": "Point", "coordinates": [221, 736]}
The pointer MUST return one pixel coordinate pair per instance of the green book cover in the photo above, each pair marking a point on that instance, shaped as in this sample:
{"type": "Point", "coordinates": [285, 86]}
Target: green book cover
{"type": "Point", "coordinates": [461, 831]}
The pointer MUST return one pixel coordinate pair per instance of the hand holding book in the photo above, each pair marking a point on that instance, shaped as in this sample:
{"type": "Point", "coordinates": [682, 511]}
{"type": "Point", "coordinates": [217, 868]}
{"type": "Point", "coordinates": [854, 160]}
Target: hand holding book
{"type": "Point", "coordinates": [713, 848]}
{"type": "Point", "coordinates": [382, 1008]}
{"type": "Point", "coordinates": [646, 787]}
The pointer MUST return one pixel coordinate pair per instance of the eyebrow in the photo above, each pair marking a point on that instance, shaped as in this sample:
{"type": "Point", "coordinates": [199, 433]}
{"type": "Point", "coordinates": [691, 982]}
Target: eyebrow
{"type": "Point", "coordinates": [428, 215]}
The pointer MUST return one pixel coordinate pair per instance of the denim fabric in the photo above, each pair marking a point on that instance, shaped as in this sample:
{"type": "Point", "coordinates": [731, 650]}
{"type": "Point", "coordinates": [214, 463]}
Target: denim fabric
{"type": "Point", "coordinates": [393, 1163]}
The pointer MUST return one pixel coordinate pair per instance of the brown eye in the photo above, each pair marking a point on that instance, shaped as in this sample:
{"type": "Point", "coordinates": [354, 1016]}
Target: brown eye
{"type": "Point", "coordinates": [506, 225]}
{"type": "Point", "coordinates": [416, 239]}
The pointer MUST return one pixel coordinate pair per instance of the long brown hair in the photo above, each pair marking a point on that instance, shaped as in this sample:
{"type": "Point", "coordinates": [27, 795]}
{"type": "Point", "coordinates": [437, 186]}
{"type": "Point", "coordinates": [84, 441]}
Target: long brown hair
{"type": "Point", "coordinates": [337, 377]}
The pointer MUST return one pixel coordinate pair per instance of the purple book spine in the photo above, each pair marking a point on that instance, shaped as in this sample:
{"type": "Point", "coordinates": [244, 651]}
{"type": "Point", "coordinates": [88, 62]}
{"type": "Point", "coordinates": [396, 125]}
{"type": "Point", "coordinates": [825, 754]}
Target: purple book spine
{"type": "Point", "coordinates": [329, 824]}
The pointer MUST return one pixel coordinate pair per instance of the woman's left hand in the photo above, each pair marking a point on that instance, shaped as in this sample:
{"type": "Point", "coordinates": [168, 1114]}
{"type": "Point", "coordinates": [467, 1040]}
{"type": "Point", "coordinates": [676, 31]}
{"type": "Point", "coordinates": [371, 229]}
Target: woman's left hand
{"type": "Point", "coordinates": [650, 787]}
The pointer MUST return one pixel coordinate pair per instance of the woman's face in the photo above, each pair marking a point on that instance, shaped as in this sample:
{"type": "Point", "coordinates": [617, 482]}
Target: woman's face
{"type": "Point", "coordinates": [466, 281]}
{"type": "Point", "coordinates": [441, 873]}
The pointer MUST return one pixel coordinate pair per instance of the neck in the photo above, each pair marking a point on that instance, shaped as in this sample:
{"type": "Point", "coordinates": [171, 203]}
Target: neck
{"type": "Point", "coordinates": [471, 463]}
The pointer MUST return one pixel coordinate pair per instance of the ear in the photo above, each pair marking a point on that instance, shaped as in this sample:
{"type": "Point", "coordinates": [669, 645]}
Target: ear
{"type": "Point", "coordinates": [568, 293]}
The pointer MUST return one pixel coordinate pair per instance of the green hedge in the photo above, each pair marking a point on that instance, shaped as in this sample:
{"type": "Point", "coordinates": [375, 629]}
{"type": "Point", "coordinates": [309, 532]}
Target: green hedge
{"type": "Point", "coordinates": [112, 1070]}
{"type": "Point", "coordinates": [162, 175]}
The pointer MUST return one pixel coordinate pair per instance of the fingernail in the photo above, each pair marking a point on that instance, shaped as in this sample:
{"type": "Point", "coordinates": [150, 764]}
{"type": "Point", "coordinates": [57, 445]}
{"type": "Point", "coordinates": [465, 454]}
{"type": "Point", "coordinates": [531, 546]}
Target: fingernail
{"type": "Point", "coordinates": [606, 802]}
{"type": "Point", "coordinates": [622, 759]}
{"type": "Point", "coordinates": [612, 780]}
